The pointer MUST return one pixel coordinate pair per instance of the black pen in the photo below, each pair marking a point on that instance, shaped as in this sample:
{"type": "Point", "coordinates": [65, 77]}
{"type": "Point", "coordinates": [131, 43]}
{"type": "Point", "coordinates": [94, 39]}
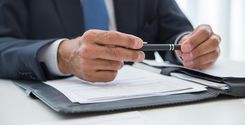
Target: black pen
{"type": "Point", "coordinates": [160, 47]}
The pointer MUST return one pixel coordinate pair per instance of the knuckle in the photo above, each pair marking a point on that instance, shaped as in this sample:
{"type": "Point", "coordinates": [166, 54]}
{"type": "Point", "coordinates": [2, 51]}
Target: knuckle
{"type": "Point", "coordinates": [205, 31]}
{"type": "Point", "coordinates": [111, 35]}
{"type": "Point", "coordinates": [89, 35]}
{"type": "Point", "coordinates": [115, 53]}
{"type": "Point", "coordinates": [85, 51]}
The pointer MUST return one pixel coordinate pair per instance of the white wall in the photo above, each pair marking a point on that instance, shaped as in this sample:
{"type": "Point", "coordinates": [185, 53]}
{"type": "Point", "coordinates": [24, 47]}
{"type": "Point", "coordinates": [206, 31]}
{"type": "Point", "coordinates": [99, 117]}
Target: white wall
{"type": "Point", "coordinates": [227, 17]}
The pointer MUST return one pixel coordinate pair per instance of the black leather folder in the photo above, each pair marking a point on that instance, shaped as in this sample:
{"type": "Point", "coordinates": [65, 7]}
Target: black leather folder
{"type": "Point", "coordinates": [236, 85]}
{"type": "Point", "coordinates": [60, 103]}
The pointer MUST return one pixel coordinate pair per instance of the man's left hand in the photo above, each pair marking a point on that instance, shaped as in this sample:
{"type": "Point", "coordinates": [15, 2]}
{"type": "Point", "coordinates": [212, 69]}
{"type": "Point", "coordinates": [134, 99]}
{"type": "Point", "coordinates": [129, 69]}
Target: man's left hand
{"type": "Point", "coordinates": [200, 49]}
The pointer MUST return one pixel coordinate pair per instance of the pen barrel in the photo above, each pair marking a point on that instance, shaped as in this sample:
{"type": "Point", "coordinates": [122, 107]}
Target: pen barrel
{"type": "Point", "coordinates": [160, 47]}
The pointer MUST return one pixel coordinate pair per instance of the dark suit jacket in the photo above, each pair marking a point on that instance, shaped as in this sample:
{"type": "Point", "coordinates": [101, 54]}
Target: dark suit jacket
{"type": "Point", "coordinates": [28, 25]}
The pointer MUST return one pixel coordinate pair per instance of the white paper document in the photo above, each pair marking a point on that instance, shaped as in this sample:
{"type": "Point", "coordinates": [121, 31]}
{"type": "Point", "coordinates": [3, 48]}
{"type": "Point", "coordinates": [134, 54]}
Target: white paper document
{"type": "Point", "coordinates": [159, 64]}
{"type": "Point", "coordinates": [130, 83]}
{"type": "Point", "coordinates": [222, 68]}
{"type": "Point", "coordinates": [225, 68]}
{"type": "Point", "coordinates": [216, 85]}
{"type": "Point", "coordinates": [130, 118]}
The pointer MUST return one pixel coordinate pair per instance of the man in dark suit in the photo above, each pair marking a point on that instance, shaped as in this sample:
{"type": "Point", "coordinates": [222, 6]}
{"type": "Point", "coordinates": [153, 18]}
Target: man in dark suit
{"type": "Point", "coordinates": [46, 39]}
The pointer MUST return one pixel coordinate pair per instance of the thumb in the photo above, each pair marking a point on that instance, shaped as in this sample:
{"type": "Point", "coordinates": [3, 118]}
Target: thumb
{"type": "Point", "coordinates": [182, 40]}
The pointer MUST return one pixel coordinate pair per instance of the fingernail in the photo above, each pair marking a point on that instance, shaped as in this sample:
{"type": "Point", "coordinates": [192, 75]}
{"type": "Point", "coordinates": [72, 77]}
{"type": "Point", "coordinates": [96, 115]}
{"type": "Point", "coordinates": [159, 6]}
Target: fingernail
{"type": "Point", "coordinates": [138, 43]}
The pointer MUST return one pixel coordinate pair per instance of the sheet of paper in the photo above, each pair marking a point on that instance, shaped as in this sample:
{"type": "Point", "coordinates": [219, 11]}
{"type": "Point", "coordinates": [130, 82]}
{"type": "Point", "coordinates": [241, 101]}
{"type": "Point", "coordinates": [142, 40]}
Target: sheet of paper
{"type": "Point", "coordinates": [159, 64]}
{"type": "Point", "coordinates": [242, 101]}
{"type": "Point", "coordinates": [130, 118]}
{"type": "Point", "coordinates": [222, 68]}
{"type": "Point", "coordinates": [129, 83]}
{"type": "Point", "coordinates": [147, 67]}
{"type": "Point", "coordinates": [215, 85]}
{"type": "Point", "coordinates": [225, 68]}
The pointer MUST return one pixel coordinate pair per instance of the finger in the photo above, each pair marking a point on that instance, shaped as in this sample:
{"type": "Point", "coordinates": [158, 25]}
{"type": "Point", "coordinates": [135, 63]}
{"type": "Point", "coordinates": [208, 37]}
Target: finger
{"type": "Point", "coordinates": [178, 53]}
{"type": "Point", "coordinates": [202, 60]}
{"type": "Point", "coordinates": [101, 64]}
{"type": "Point", "coordinates": [114, 38]}
{"type": "Point", "coordinates": [206, 47]}
{"type": "Point", "coordinates": [90, 51]}
{"type": "Point", "coordinates": [184, 38]}
{"type": "Point", "coordinates": [199, 35]}
{"type": "Point", "coordinates": [100, 76]}
{"type": "Point", "coordinates": [119, 54]}
{"type": "Point", "coordinates": [205, 66]}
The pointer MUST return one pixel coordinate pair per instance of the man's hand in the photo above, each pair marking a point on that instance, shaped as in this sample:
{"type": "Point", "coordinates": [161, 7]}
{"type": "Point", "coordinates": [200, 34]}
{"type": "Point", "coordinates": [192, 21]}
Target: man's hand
{"type": "Point", "coordinates": [200, 49]}
{"type": "Point", "coordinates": [98, 55]}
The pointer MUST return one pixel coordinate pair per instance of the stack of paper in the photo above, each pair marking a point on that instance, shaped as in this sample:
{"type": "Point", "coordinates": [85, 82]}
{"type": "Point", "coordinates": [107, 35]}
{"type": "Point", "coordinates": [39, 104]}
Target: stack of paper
{"type": "Point", "coordinates": [130, 83]}
{"type": "Point", "coordinates": [219, 69]}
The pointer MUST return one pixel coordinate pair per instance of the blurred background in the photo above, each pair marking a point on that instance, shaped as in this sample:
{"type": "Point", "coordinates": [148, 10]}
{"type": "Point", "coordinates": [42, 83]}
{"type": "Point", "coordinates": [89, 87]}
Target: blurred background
{"type": "Point", "coordinates": [227, 17]}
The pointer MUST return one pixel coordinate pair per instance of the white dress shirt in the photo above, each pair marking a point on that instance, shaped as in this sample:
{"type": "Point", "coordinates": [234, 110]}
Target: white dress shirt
{"type": "Point", "coordinates": [48, 54]}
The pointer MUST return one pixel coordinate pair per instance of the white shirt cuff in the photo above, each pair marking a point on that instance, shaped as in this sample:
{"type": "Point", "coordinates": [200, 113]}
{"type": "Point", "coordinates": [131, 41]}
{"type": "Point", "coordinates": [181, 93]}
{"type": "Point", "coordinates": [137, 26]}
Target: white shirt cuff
{"type": "Point", "coordinates": [48, 55]}
{"type": "Point", "coordinates": [180, 60]}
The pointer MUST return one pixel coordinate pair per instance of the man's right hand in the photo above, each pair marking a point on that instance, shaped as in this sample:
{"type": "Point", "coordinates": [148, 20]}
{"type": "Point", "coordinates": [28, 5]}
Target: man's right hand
{"type": "Point", "coordinates": [98, 55]}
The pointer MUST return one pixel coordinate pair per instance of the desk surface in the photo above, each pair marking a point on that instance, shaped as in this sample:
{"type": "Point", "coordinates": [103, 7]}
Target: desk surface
{"type": "Point", "coordinates": [16, 108]}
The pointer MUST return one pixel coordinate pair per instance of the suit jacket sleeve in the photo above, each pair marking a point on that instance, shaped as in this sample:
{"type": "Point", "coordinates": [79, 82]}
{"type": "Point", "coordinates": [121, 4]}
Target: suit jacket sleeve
{"type": "Point", "coordinates": [172, 23]}
{"type": "Point", "coordinates": [18, 52]}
